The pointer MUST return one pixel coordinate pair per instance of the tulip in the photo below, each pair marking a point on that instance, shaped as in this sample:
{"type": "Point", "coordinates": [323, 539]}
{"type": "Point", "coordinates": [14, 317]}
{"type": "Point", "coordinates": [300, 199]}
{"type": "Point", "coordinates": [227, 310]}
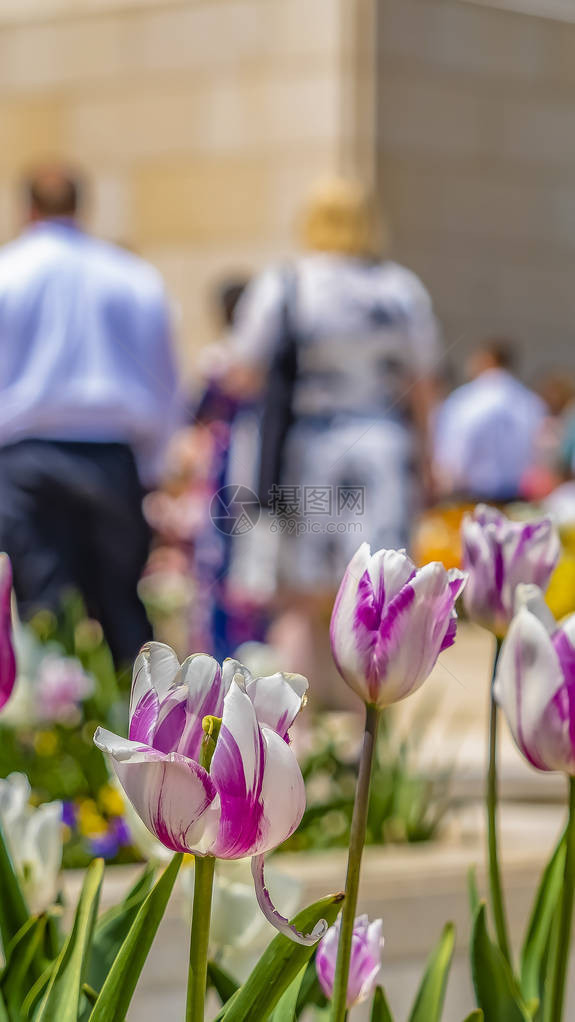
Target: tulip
{"type": "Point", "coordinates": [365, 964]}
{"type": "Point", "coordinates": [535, 686]}
{"type": "Point", "coordinates": [250, 797]}
{"type": "Point", "coordinates": [535, 683]}
{"type": "Point", "coordinates": [390, 622]}
{"type": "Point", "coordinates": [7, 656]}
{"type": "Point", "coordinates": [498, 555]}
{"type": "Point", "coordinates": [34, 839]}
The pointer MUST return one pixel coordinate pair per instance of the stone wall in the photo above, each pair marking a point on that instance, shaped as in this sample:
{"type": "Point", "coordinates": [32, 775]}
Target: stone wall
{"type": "Point", "coordinates": [477, 168]}
{"type": "Point", "coordinates": [202, 122]}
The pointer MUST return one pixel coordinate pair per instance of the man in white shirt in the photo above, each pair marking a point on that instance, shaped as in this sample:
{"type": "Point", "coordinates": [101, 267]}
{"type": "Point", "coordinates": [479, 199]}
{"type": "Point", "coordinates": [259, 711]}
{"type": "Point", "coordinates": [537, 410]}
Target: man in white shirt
{"type": "Point", "coordinates": [88, 389]}
{"type": "Point", "coordinates": [486, 430]}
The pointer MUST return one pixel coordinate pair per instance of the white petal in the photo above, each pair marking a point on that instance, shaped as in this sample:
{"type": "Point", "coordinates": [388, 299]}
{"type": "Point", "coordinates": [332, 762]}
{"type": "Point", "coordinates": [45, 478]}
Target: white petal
{"type": "Point", "coordinates": [155, 668]}
{"type": "Point", "coordinates": [278, 699]}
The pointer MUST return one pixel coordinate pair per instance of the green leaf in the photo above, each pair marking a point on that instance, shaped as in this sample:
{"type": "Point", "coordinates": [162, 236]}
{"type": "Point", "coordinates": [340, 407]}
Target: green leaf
{"type": "Point", "coordinates": [112, 929]}
{"type": "Point", "coordinates": [476, 1016]}
{"type": "Point", "coordinates": [380, 1010]}
{"type": "Point", "coordinates": [279, 965]}
{"type": "Point", "coordinates": [536, 946]}
{"type": "Point", "coordinates": [61, 1002]}
{"type": "Point", "coordinates": [21, 969]}
{"type": "Point", "coordinates": [120, 983]}
{"type": "Point", "coordinates": [310, 990]}
{"type": "Point", "coordinates": [431, 994]}
{"type": "Point", "coordinates": [224, 984]}
{"type": "Point", "coordinates": [35, 992]}
{"type": "Point", "coordinates": [4, 1017]}
{"type": "Point", "coordinates": [472, 890]}
{"type": "Point", "coordinates": [286, 1007]}
{"type": "Point", "coordinates": [497, 992]}
{"type": "Point", "coordinates": [13, 909]}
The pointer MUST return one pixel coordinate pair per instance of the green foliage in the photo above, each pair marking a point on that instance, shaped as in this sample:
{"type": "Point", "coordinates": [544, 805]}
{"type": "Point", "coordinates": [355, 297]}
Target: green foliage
{"type": "Point", "coordinates": [496, 989]}
{"type": "Point", "coordinates": [406, 803]}
{"type": "Point", "coordinates": [112, 929]}
{"type": "Point", "coordinates": [62, 1000]}
{"type": "Point", "coordinates": [535, 952]}
{"type": "Point", "coordinates": [431, 994]}
{"type": "Point", "coordinates": [285, 1010]}
{"type": "Point", "coordinates": [278, 967]}
{"type": "Point", "coordinates": [117, 991]}
{"type": "Point", "coordinates": [380, 1010]}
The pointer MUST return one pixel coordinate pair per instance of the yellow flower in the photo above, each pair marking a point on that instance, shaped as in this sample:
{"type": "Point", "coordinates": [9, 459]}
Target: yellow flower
{"type": "Point", "coordinates": [111, 801]}
{"type": "Point", "coordinates": [90, 820]}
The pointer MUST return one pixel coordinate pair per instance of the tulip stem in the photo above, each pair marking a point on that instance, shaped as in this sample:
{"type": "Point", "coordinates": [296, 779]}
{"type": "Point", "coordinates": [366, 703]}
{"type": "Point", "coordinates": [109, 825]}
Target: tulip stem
{"type": "Point", "coordinates": [357, 841]}
{"type": "Point", "coordinates": [197, 975]}
{"type": "Point", "coordinates": [563, 944]}
{"type": "Point", "coordinates": [496, 887]}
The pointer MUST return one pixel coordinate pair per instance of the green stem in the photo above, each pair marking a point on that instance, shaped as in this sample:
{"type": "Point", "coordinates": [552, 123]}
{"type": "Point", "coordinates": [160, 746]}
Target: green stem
{"type": "Point", "coordinates": [563, 944]}
{"type": "Point", "coordinates": [495, 885]}
{"type": "Point", "coordinates": [197, 975]}
{"type": "Point", "coordinates": [357, 841]}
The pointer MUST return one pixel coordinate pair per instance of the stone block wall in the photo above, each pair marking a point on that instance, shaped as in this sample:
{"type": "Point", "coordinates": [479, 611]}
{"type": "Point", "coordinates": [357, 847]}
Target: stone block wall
{"type": "Point", "coordinates": [201, 122]}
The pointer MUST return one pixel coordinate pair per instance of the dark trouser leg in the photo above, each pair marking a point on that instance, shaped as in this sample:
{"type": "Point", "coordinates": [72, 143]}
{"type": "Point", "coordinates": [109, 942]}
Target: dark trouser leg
{"type": "Point", "coordinates": [38, 525]}
{"type": "Point", "coordinates": [116, 548]}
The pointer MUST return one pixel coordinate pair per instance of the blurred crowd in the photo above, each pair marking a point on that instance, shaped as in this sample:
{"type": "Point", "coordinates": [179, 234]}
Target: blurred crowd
{"type": "Point", "coordinates": [326, 415]}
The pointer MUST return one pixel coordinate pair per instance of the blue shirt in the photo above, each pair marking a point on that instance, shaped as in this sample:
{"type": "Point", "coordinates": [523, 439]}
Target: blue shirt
{"type": "Point", "coordinates": [85, 345]}
{"type": "Point", "coordinates": [486, 434]}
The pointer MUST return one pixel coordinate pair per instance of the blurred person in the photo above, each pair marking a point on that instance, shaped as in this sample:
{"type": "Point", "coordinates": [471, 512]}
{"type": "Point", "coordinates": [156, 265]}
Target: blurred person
{"type": "Point", "coordinates": [342, 346]}
{"type": "Point", "coordinates": [88, 389]}
{"type": "Point", "coordinates": [487, 430]}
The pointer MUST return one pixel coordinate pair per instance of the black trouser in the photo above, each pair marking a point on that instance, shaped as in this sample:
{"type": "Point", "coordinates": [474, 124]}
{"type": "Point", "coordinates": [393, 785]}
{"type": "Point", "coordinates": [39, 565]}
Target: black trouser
{"type": "Point", "coordinates": [71, 518]}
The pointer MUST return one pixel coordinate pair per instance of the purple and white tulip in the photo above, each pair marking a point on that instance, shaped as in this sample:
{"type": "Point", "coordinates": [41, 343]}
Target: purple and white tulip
{"type": "Point", "coordinates": [365, 961]}
{"type": "Point", "coordinates": [7, 655]}
{"type": "Point", "coordinates": [535, 683]}
{"type": "Point", "coordinates": [390, 622]}
{"type": "Point", "coordinates": [253, 796]}
{"type": "Point", "coordinates": [498, 555]}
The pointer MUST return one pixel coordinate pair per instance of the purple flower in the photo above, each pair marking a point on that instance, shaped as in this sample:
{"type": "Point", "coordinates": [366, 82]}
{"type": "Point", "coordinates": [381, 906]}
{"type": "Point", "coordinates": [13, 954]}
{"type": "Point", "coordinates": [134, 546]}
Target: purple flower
{"type": "Point", "coordinates": [104, 846]}
{"type": "Point", "coordinates": [365, 961]}
{"type": "Point", "coordinates": [7, 655]}
{"type": "Point", "coordinates": [391, 621]}
{"type": "Point", "coordinates": [498, 555]}
{"type": "Point", "coordinates": [69, 814]}
{"type": "Point", "coordinates": [253, 796]}
{"type": "Point", "coordinates": [535, 683]}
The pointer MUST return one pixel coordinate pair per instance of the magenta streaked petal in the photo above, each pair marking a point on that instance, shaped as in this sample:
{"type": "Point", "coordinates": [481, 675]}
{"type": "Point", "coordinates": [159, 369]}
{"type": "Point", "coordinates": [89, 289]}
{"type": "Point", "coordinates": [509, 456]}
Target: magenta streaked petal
{"type": "Point", "coordinates": [143, 720]}
{"type": "Point", "coordinates": [365, 959]}
{"type": "Point", "coordinates": [201, 677]}
{"type": "Point", "coordinates": [275, 918]}
{"type": "Point", "coordinates": [237, 770]}
{"type": "Point", "coordinates": [499, 555]}
{"type": "Point", "coordinates": [175, 797]}
{"type": "Point", "coordinates": [7, 655]}
{"type": "Point", "coordinates": [171, 721]}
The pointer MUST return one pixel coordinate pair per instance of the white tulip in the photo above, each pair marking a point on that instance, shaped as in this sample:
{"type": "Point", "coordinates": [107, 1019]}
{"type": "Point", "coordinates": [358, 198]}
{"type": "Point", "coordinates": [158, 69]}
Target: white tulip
{"type": "Point", "coordinates": [34, 839]}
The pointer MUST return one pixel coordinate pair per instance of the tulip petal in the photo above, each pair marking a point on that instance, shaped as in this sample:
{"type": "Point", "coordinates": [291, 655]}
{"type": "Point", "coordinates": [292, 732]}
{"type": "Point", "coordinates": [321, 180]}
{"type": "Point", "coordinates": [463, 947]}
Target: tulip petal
{"type": "Point", "coordinates": [196, 692]}
{"type": "Point", "coordinates": [278, 699]}
{"type": "Point", "coordinates": [529, 686]}
{"type": "Point", "coordinates": [154, 671]}
{"type": "Point", "coordinates": [275, 918]}
{"type": "Point", "coordinates": [7, 655]}
{"type": "Point", "coordinates": [237, 770]}
{"type": "Point", "coordinates": [175, 797]}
